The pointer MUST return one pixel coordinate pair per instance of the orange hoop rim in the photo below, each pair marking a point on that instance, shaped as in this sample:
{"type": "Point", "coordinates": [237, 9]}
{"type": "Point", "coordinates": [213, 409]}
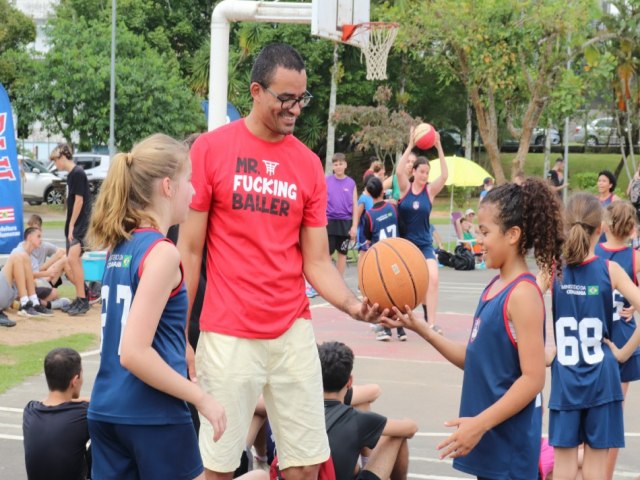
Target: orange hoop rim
{"type": "Point", "coordinates": [349, 30]}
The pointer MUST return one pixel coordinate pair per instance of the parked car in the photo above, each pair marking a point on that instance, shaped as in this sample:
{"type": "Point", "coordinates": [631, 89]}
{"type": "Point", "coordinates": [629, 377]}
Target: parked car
{"type": "Point", "coordinates": [40, 185]}
{"type": "Point", "coordinates": [95, 166]}
{"type": "Point", "coordinates": [538, 136]}
{"type": "Point", "coordinates": [601, 131]}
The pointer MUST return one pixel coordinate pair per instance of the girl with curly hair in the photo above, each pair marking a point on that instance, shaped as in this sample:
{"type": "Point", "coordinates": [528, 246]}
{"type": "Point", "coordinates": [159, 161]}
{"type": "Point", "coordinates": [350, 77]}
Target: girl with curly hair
{"type": "Point", "coordinates": [499, 427]}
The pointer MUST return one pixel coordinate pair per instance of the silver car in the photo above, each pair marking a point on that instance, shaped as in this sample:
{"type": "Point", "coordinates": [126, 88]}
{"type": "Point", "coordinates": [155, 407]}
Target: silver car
{"type": "Point", "coordinates": [41, 185]}
{"type": "Point", "coordinates": [601, 131]}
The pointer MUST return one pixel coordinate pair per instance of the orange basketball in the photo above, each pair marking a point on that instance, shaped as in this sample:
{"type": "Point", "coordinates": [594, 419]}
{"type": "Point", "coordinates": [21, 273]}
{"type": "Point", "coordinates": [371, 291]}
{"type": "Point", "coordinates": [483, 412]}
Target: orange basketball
{"type": "Point", "coordinates": [424, 136]}
{"type": "Point", "coordinates": [393, 272]}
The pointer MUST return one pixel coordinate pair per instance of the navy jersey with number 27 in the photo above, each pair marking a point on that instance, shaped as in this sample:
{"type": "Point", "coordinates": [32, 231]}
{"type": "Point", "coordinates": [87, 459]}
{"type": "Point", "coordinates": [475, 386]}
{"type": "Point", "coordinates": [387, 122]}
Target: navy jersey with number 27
{"type": "Point", "coordinates": [510, 450]}
{"type": "Point", "coordinates": [119, 396]}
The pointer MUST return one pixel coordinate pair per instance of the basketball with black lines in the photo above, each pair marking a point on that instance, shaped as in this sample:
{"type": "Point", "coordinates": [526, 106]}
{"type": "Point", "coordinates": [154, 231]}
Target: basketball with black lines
{"type": "Point", "coordinates": [393, 272]}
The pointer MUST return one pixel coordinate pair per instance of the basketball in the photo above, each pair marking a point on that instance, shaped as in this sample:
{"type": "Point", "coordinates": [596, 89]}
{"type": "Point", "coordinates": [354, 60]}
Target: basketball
{"type": "Point", "coordinates": [424, 136]}
{"type": "Point", "coordinates": [393, 272]}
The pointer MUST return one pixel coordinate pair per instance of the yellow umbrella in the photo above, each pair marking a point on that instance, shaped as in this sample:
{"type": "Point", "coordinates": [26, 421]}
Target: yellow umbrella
{"type": "Point", "coordinates": [462, 172]}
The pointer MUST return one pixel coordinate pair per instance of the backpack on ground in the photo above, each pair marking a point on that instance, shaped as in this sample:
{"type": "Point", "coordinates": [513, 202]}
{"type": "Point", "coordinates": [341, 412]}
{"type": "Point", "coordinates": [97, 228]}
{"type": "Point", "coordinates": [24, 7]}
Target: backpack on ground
{"type": "Point", "coordinates": [444, 258]}
{"type": "Point", "coordinates": [327, 469]}
{"type": "Point", "coordinates": [463, 259]}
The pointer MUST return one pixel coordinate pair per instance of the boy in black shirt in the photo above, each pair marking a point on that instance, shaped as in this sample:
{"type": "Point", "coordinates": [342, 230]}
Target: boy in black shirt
{"type": "Point", "coordinates": [75, 228]}
{"type": "Point", "coordinates": [55, 430]}
{"type": "Point", "coordinates": [352, 431]}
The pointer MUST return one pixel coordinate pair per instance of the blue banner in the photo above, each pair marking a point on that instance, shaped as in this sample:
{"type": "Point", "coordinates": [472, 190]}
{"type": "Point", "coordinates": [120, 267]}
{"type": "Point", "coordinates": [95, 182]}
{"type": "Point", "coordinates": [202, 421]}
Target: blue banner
{"type": "Point", "coordinates": [10, 183]}
{"type": "Point", "coordinates": [232, 111]}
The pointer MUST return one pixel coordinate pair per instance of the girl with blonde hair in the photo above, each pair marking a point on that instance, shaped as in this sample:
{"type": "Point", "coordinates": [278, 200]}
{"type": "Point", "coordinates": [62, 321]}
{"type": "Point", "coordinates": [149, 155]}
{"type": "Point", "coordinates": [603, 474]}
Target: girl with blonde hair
{"type": "Point", "coordinates": [139, 422]}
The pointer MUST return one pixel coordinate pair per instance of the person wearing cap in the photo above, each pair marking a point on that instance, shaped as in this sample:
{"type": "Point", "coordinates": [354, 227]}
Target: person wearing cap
{"type": "Point", "coordinates": [469, 215]}
{"type": "Point", "coordinates": [487, 184]}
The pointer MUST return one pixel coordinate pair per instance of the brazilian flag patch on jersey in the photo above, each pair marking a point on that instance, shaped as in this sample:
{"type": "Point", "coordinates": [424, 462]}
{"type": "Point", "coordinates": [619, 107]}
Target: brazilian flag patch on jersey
{"type": "Point", "coordinates": [126, 261]}
{"type": "Point", "coordinates": [593, 290]}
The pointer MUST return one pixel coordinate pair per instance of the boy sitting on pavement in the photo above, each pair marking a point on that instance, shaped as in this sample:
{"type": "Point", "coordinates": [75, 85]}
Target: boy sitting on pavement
{"type": "Point", "coordinates": [55, 430]}
{"type": "Point", "coordinates": [351, 432]}
{"type": "Point", "coordinates": [16, 279]}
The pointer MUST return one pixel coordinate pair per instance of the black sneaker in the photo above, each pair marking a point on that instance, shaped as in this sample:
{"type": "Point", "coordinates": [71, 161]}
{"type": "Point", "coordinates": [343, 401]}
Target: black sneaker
{"type": "Point", "coordinates": [5, 321]}
{"type": "Point", "coordinates": [66, 308]}
{"type": "Point", "coordinates": [27, 310]}
{"type": "Point", "coordinates": [42, 310]}
{"type": "Point", "coordinates": [81, 307]}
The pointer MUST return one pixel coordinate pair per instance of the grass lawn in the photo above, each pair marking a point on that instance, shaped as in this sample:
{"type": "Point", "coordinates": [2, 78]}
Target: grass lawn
{"type": "Point", "coordinates": [22, 361]}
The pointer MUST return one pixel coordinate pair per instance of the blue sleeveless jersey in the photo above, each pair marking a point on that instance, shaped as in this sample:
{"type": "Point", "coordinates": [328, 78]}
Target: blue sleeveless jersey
{"type": "Point", "coordinates": [511, 450]}
{"type": "Point", "coordinates": [622, 330]}
{"type": "Point", "coordinates": [414, 211]}
{"type": "Point", "coordinates": [119, 396]}
{"type": "Point", "coordinates": [382, 221]}
{"type": "Point", "coordinates": [584, 373]}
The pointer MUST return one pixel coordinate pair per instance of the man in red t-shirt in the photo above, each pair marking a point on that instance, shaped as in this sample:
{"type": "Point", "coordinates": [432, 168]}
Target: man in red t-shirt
{"type": "Point", "coordinates": [260, 202]}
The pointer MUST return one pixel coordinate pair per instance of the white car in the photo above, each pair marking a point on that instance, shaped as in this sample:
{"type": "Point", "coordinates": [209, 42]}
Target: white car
{"type": "Point", "coordinates": [95, 166]}
{"type": "Point", "coordinates": [40, 185]}
{"type": "Point", "coordinates": [601, 131]}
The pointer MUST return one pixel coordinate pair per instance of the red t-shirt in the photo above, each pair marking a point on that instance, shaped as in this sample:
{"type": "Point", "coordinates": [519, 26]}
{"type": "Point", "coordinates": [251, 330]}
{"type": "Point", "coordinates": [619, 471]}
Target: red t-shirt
{"type": "Point", "coordinates": [258, 194]}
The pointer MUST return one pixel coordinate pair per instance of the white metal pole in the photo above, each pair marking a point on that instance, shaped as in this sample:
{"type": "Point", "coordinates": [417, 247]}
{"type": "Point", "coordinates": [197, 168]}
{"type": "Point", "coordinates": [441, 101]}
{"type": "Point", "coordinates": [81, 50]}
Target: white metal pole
{"type": "Point", "coordinates": [112, 87]}
{"type": "Point", "coordinates": [237, 11]}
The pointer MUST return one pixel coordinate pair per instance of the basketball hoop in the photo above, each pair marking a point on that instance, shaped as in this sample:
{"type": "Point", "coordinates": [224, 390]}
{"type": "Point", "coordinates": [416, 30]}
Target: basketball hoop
{"type": "Point", "coordinates": [376, 41]}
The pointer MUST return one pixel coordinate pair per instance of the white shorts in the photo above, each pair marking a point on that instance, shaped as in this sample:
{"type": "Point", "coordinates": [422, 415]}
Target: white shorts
{"type": "Point", "coordinates": [287, 371]}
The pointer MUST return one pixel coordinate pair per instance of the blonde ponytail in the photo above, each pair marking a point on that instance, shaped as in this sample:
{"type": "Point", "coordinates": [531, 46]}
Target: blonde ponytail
{"type": "Point", "coordinates": [127, 192]}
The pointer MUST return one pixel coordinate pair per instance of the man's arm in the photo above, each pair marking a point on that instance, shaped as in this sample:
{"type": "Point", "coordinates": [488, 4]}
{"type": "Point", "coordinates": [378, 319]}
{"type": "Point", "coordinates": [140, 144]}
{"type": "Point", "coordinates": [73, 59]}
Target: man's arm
{"type": "Point", "coordinates": [325, 278]}
{"type": "Point", "coordinates": [190, 245]}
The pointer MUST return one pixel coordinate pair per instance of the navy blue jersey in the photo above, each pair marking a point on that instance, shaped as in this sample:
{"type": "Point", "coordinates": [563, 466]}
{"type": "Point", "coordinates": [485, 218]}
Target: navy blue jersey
{"type": "Point", "coordinates": [119, 396]}
{"type": "Point", "coordinates": [621, 330]}
{"type": "Point", "coordinates": [584, 373]}
{"type": "Point", "coordinates": [380, 222]}
{"type": "Point", "coordinates": [414, 211]}
{"type": "Point", "coordinates": [510, 450]}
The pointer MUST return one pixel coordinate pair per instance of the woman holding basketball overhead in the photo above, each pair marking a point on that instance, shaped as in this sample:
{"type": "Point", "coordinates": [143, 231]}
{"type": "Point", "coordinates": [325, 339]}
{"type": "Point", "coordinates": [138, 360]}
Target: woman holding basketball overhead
{"type": "Point", "coordinates": [139, 423]}
{"type": "Point", "coordinates": [499, 428]}
{"type": "Point", "coordinates": [585, 405]}
{"type": "Point", "coordinates": [414, 210]}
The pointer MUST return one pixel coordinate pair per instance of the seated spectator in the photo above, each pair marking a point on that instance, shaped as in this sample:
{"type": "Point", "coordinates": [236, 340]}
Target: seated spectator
{"type": "Point", "coordinates": [16, 279]}
{"type": "Point", "coordinates": [46, 272]}
{"type": "Point", "coordinates": [351, 432]}
{"type": "Point", "coordinates": [55, 430]}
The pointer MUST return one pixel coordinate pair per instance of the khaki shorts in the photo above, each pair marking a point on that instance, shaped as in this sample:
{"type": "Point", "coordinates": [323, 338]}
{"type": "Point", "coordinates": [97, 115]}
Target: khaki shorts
{"type": "Point", "coordinates": [287, 371]}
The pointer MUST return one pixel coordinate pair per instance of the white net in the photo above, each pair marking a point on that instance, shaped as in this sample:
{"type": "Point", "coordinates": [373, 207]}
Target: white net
{"type": "Point", "coordinates": [376, 43]}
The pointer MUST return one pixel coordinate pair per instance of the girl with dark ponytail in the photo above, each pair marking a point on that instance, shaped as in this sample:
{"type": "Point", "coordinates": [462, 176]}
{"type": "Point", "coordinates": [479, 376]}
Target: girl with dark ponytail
{"type": "Point", "coordinates": [499, 428]}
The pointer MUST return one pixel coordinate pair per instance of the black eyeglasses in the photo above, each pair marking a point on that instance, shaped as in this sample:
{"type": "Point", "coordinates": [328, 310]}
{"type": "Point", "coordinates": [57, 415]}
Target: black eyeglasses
{"type": "Point", "coordinates": [287, 102]}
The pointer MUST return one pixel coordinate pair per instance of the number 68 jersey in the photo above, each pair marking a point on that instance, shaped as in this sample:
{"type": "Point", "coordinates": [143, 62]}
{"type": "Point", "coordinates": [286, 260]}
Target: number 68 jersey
{"type": "Point", "coordinates": [584, 373]}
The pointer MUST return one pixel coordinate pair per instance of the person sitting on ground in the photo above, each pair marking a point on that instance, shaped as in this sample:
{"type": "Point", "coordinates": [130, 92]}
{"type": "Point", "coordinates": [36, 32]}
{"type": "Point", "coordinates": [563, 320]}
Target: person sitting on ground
{"type": "Point", "coordinates": [16, 279]}
{"type": "Point", "coordinates": [55, 430]}
{"type": "Point", "coordinates": [45, 278]}
{"type": "Point", "coordinates": [49, 257]}
{"type": "Point", "coordinates": [352, 431]}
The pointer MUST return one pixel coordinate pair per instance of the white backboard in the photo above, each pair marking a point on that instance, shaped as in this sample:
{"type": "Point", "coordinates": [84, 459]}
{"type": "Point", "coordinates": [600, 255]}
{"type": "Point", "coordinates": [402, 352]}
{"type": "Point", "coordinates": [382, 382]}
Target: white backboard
{"type": "Point", "coordinates": [328, 16]}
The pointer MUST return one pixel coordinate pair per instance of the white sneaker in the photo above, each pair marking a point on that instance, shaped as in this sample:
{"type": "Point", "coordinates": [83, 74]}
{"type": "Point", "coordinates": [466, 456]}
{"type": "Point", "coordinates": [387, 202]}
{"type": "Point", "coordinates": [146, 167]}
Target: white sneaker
{"type": "Point", "coordinates": [383, 336]}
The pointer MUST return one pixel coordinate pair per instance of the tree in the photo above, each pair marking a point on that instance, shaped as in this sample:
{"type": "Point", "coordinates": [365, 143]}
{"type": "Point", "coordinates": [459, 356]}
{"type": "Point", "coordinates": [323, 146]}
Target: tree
{"type": "Point", "coordinates": [377, 128]}
{"type": "Point", "coordinates": [506, 52]}
{"type": "Point", "coordinates": [70, 91]}
{"type": "Point", "coordinates": [16, 32]}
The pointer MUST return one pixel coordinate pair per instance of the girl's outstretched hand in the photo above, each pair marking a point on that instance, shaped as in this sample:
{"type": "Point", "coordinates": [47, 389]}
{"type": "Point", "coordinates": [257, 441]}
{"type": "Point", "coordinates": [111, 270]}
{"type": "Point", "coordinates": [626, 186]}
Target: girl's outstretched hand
{"type": "Point", "coordinates": [404, 319]}
{"type": "Point", "coordinates": [462, 441]}
{"type": "Point", "coordinates": [214, 412]}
